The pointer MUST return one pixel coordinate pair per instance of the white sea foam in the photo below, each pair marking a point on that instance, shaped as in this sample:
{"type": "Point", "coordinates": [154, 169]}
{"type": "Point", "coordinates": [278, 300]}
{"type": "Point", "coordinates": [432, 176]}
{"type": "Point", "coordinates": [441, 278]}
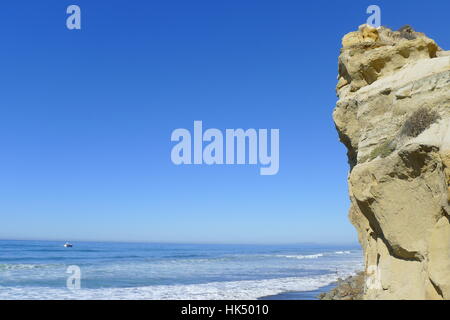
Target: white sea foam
{"type": "Point", "coordinates": [23, 266]}
{"type": "Point", "coordinates": [232, 290]}
{"type": "Point", "coordinates": [342, 252]}
{"type": "Point", "coordinates": [300, 256]}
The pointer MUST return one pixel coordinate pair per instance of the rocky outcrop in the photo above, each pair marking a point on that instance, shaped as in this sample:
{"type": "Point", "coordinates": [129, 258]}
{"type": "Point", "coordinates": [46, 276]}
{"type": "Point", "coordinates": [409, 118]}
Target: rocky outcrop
{"type": "Point", "coordinates": [393, 115]}
{"type": "Point", "coordinates": [351, 288]}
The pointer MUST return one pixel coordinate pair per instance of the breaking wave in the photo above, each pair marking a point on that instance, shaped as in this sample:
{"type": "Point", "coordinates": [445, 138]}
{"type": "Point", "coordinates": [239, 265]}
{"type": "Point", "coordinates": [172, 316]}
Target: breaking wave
{"type": "Point", "coordinates": [300, 256]}
{"type": "Point", "coordinates": [231, 290]}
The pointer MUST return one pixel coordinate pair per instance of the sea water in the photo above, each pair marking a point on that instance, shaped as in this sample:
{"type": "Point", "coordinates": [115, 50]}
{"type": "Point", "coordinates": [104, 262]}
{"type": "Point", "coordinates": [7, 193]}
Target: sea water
{"type": "Point", "coordinates": [38, 269]}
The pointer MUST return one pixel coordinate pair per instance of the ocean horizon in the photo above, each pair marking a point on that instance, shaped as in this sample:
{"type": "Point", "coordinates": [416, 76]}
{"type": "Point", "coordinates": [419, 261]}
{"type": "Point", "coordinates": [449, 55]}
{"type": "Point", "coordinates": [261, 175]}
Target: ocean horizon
{"type": "Point", "coordinates": [31, 269]}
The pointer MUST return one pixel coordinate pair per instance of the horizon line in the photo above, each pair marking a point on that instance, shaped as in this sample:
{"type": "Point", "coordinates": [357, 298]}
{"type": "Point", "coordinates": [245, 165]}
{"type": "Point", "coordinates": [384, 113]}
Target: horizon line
{"type": "Point", "coordinates": [193, 242]}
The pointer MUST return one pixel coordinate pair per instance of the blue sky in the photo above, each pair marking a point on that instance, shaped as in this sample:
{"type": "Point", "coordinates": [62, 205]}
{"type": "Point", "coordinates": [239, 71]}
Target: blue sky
{"type": "Point", "coordinates": [86, 117]}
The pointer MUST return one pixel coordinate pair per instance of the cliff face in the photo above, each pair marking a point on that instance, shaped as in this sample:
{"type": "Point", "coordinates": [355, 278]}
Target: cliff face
{"type": "Point", "coordinates": [393, 115]}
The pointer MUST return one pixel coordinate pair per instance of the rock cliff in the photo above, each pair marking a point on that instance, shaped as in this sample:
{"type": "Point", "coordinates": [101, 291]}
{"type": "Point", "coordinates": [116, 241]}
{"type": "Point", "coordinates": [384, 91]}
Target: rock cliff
{"type": "Point", "coordinates": [393, 115]}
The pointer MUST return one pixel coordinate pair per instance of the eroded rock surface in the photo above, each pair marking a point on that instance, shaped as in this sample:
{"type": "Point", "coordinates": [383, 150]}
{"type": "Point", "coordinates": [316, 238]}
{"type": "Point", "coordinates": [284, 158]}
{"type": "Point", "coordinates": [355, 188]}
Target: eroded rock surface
{"type": "Point", "coordinates": [393, 115]}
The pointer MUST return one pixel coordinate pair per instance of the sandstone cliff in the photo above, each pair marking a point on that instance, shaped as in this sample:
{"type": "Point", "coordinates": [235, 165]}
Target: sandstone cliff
{"type": "Point", "coordinates": [393, 115]}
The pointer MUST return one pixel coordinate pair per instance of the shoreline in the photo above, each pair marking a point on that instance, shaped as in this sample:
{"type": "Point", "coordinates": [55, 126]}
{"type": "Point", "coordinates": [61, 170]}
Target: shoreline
{"type": "Point", "coordinates": [351, 288]}
{"type": "Point", "coordinates": [302, 295]}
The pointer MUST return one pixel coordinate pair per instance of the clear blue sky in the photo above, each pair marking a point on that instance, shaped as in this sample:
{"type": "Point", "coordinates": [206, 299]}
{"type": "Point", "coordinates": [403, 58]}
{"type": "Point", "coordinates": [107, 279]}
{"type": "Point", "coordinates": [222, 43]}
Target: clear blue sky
{"type": "Point", "coordinates": [86, 117]}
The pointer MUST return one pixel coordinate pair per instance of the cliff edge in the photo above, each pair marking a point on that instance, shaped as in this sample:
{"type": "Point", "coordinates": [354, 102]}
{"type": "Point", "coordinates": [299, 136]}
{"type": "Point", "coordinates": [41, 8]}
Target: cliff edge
{"type": "Point", "coordinates": [393, 115]}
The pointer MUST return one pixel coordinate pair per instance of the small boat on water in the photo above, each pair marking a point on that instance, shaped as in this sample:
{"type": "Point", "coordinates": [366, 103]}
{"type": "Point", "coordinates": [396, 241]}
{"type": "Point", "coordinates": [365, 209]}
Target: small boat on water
{"type": "Point", "coordinates": [68, 245]}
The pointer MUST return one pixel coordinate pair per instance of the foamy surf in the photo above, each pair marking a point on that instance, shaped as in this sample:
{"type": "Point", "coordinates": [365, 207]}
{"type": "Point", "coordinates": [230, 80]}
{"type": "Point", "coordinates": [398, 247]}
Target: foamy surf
{"type": "Point", "coordinates": [232, 290]}
{"type": "Point", "coordinates": [309, 256]}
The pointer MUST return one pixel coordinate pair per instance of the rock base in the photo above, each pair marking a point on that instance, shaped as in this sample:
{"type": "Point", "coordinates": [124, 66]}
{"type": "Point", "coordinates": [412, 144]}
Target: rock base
{"type": "Point", "coordinates": [351, 288]}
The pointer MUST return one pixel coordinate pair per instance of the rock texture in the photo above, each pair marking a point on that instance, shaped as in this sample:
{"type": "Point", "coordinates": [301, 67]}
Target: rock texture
{"type": "Point", "coordinates": [351, 288]}
{"type": "Point", "coordinates": [393, 115]}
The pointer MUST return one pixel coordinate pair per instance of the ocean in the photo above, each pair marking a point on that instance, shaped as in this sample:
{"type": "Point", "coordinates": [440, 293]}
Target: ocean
{"type": "Point", "coordinates": [38, 270]}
